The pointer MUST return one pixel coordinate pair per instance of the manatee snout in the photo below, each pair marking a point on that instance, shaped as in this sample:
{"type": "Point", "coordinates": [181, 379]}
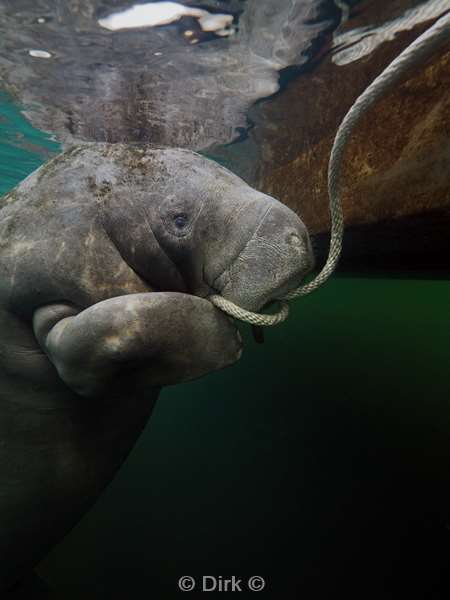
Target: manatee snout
{"type": "Point", "coordinates": [274, 261]}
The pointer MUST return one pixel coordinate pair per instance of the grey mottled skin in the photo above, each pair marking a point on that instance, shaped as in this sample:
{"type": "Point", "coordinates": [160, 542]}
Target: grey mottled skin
{"type": "Point", "coordinates": [106, 256]}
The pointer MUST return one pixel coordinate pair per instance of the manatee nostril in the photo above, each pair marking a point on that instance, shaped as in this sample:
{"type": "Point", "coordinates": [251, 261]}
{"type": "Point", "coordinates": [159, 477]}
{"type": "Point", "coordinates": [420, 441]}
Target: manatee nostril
{"type": "Point", "coordinates": [299, 243]}
{"type": "Point", "coordinates": [294, 240]}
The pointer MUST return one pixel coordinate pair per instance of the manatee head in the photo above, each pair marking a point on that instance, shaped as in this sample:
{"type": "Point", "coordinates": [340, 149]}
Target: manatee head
{"type": "Point", "coordinates": [227, 238]}
{"type": "Point", "coordinates": [185, 223]}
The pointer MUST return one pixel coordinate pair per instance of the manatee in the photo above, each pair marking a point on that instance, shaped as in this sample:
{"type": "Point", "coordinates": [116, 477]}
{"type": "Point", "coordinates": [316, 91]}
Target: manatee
{"type": "Point", "coordinates": [108, 254]}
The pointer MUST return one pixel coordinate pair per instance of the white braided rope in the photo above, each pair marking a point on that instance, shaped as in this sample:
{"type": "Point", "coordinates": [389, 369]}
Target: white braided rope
{"type": "Point", "coordinates": [412, 55]}
{"type": "Point", "coordinates": [250, 317]}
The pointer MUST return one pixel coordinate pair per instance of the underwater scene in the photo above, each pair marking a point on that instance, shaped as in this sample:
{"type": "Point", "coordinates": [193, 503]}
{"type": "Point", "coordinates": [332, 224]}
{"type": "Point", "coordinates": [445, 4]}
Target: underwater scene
{"type": "Point", "coordinates": [179, 415]}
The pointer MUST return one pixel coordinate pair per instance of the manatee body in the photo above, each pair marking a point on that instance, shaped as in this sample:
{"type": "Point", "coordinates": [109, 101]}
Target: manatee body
{"type": "Point", "coordinates": [107, 256]}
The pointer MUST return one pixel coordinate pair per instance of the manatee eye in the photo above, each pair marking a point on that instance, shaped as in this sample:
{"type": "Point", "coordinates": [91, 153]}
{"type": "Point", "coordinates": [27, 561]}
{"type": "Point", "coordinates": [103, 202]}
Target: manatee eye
{"type": "Point", "coordinates": [180, 220]}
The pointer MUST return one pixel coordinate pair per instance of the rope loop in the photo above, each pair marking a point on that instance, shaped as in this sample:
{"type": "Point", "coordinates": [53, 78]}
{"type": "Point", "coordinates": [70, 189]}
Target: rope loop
{"type": "Point", "coordinates": [250, 317]}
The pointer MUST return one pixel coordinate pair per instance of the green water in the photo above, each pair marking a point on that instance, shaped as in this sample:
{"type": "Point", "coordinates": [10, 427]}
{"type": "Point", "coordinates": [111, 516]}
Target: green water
{"type": "Point", "coordinates": [22, 147]}
{"type": "Point", "coordinates": [320, 461]}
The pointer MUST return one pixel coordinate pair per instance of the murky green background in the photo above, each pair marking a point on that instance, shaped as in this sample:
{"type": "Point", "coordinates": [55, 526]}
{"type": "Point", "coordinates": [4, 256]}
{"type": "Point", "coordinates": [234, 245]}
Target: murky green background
{"type": "Point", "coordinates": [320, 462]}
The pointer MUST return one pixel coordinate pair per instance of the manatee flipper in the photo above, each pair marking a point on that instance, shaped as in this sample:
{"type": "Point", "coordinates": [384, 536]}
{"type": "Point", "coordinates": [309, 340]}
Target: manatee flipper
{"type": "Point", "coordinates": [144, 339]}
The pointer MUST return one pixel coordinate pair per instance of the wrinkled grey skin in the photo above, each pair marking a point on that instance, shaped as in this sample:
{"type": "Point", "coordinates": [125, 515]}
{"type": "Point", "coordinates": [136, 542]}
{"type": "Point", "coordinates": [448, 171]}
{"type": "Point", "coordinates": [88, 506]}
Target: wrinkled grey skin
{"type": "Point", "coordinates": [106, 256]}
